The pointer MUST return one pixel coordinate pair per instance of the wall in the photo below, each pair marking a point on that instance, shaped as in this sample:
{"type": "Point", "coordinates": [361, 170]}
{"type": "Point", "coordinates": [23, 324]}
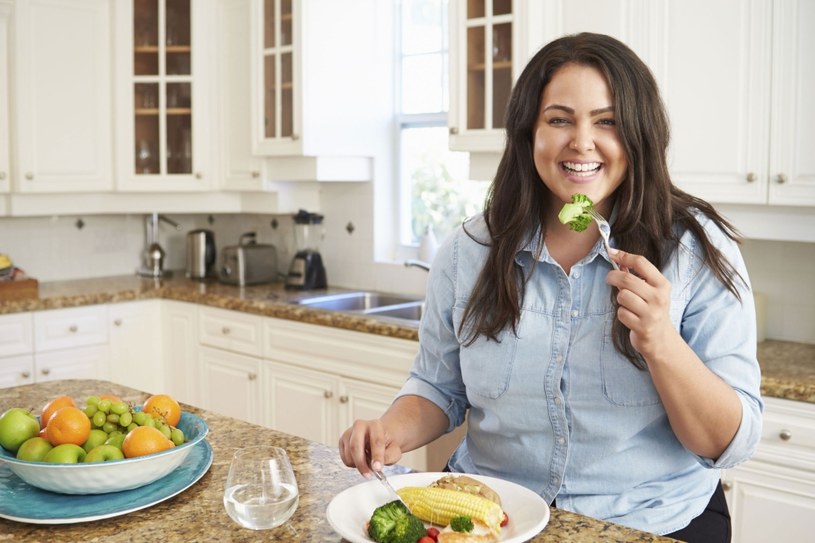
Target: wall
{"type": "Point", "coordinates": [55, 249]}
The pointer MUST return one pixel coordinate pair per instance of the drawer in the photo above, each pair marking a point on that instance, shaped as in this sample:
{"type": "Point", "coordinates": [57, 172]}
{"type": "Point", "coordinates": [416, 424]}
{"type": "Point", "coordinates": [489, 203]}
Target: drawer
{"type": "Point", "coordinates": [790, 425]}
{"type": "Point", "coordinates": [231, 330]}
{"type": "Point", "coordinates": [16, 334]}
{"type": "Point", "coordinates": [68, 328]}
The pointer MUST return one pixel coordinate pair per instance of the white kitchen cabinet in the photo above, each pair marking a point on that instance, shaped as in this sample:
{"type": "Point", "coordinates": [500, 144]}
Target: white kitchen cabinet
{"type": "Point", "coordinates": [229, 384]}
{"type": "Point", "coordinates": [180, 350]}
{"type": "Point", "coordinates": [16, 370]}
{"type": "Point", "coordinates": [341, 375]}
{"type": "Point", "coordinates": [71, 343]}
{"type": "Point", "coordinates": [16, 349]}
{"type": "Point", "coordinates": [231, 330]}
{"type": "Point", "coordinates": [79, 363]}
{"type": "Point", "coordinates": [164, 51]}
{"type": "Point", "coordinates": [313, 79]}
{"type": "Point", "coordinates": [5, 104]}
{"type": "Point", "coordinates": [62, 94]}
{"type": "Point", "coordinates": [772, 496]}
{"type": "Point", "coordinates": [135, 349]}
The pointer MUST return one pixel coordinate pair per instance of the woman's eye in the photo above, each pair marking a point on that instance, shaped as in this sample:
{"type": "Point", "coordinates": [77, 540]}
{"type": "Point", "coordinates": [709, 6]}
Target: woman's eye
{"type": "Point", "coordinates": [607, 122]}
{"type": "Point", "coordinates": [557, 121]}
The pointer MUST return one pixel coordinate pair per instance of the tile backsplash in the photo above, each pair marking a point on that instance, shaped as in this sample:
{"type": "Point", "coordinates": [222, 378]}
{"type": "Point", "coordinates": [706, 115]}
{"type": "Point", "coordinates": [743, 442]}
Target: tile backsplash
{"type": "Point", "coordinates": [57, 249]}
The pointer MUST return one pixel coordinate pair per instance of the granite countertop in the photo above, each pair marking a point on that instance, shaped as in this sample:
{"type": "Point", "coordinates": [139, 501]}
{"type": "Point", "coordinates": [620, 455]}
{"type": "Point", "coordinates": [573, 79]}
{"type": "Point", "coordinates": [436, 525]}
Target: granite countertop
{"type": "Point", "coordinates": [788, 368]}
{"type": "Point", "coordinates": [198, 513]}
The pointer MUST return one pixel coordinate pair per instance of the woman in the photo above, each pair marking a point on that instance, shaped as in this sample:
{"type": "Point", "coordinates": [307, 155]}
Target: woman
{"type": "Point", "coordinates": [614, 394]}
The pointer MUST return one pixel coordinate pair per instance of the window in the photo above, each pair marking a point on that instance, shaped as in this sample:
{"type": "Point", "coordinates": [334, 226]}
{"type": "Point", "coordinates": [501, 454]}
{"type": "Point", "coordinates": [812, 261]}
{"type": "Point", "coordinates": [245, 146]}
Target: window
{"type": "Point", "coordinates": [434, 189]}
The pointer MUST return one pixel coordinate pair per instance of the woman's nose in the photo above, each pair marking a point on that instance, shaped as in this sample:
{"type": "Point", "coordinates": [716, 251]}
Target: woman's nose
{"type": "Point", "coordinates": [582, 139]}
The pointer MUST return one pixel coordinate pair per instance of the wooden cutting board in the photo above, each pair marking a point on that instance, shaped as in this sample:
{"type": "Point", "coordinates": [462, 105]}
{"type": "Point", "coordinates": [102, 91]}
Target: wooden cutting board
{"type": "Point", "coordinates": [18, 290]}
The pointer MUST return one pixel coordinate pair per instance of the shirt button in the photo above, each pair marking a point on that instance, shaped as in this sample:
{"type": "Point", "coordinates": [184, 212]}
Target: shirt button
{"type": "Point", "coordinates": [575, 312]}
{"type": "Point", "coordinates": [559, 358]}
{"type": "Point", "coordinates": [576, 275]}
{"type": "Point", "coordinates": [561, 440]}
{"type": "Point", "coordinates": [557, 401]}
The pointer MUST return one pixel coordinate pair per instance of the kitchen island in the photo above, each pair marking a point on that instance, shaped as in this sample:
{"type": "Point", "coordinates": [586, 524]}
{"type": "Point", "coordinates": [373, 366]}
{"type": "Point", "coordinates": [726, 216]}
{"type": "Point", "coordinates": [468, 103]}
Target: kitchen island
{"type": "Point", "coordinates": [198, 513]}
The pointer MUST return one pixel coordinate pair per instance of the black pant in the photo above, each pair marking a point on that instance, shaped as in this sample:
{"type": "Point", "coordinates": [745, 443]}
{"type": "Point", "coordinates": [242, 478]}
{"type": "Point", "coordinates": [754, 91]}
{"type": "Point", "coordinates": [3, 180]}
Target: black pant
{"type": "Point", "coordinates": [712, 526]}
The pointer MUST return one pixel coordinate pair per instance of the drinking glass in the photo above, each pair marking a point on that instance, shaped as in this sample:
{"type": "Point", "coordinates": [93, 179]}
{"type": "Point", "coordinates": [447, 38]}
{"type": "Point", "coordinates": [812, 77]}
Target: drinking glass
{"type": "Point", "coordinates": [261, 491]}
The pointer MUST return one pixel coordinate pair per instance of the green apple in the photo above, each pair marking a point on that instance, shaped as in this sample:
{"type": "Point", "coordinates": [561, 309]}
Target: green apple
{"type": "Point", "coordinates": [34, 449]}
{"type": "Point", "coordinates": [95, 438]}
{"type": "Point", "coordinates": [17, 425]}
{"type": "Point", "coordinates": [104, 453]}
{"type": "Point", "coordinates": [116, 440]}
{"type": "Point", "coordinates": [67, 453]}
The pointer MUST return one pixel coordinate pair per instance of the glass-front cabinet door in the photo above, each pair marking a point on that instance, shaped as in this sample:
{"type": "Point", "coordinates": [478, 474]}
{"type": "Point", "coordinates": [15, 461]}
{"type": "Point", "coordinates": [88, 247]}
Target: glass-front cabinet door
{"type": "Point", "coordinates": [483, 55]}
{"type": "Point", "coordinates": [162, 91]}
{"type": "Point", "coordinates": [275, 127]}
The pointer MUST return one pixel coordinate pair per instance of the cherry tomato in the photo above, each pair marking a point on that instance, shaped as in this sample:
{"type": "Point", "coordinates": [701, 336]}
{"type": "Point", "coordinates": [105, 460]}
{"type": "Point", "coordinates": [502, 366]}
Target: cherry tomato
{"type": "Point", "coordinates": [427, 539]}
{"type": "Point", "coordinates": [433, 533]}
{"type": "Point", "coordinates": [505, 520]}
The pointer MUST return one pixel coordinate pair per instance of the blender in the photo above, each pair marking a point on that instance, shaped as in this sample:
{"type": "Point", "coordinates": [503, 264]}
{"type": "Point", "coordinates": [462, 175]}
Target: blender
{"type": "Point", "coordinates": [306, 271]}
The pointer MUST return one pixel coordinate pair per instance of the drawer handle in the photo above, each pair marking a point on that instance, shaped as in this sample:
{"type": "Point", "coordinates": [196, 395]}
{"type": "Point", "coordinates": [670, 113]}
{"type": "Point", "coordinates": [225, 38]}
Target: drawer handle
{"type": "Point", "coordinates": [73, 328]}
{"type": "Point", "coordinates": [225, 330]}
{"type": "Point", "coordinates": [45, 371]}
{"type": "Point", "coordinates": [117, 322]}
{"type": "Point", "coordinates": [253, 376]}
{"type": "Point", "coordinates": [343, 399]}
{"type": "Point", "coordinates": [328, 394]}
{"type": "Point", "coordinates": [785, 435]}
{"type": "Point", "coordinates": [25, 375]}
{"type": "Point", "coordinates": [726, 486]}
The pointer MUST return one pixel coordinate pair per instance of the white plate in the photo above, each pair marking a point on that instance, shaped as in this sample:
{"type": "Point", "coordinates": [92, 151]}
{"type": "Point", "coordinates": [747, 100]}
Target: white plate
{"type": "Point", "coordinates": [351, 509]}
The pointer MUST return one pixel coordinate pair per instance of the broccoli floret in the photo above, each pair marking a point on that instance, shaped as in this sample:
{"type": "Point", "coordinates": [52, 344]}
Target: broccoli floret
{"type": "Point", "coordinates": [576, 214]}
{"type": "Point", "coordinates": [394, 523]}
{"type": "Point", "coordinates": [462, 524]}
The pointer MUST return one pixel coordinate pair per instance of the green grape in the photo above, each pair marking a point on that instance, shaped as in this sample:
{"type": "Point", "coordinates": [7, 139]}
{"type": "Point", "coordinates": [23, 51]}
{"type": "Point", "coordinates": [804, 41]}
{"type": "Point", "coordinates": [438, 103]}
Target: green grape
{"type": "Point", "coordinates": [177, 436]}
{"type": "Point", "coordinates": [125, 419]}
{"type": "Point", "coordinates": [115, 433]}
{"type": "Point", "coordinates": [119, 408]}
{"type": "Point", "coordinates": [92, 400]}
{"type": "Point", "coordinates": [99, 418]}
{"type": "Point", "coordinates": [104, 406]}
{"type": "Point", "coordinates": [131, 426]}
{"type": "Point", "coordinates": [165, 429]}
{"type": "Point", "coordinates": [110, 427]}
{"type": "Point", "coordinates": [114, 418]}
{"type": "Point", "coordinates": [149, 421]}
{"type": "Point", "coordinates": [139, 417]}
{"type": "Point", "coordinates": [90, 410]}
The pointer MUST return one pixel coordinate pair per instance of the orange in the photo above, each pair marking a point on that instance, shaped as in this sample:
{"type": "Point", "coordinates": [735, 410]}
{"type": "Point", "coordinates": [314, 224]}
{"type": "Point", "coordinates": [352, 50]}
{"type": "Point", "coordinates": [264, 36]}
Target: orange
{"type": "Point", "coordinates": [53, 406]}
{"type": "Point", "coordinates": [112, 397]}
{"type": "Point", "coordinates": [145, 440]}
{"type": "Point", "coordinates": [44, 434]}
{"type": "Point", "coordinates": [164, 406]}
{"type": "Point", "coordinates": [68, 425]}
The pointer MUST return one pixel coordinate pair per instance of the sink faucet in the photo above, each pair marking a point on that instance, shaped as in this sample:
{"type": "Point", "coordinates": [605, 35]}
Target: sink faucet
{"type": "Point", "coordinates": [153, 253]}
{"type": "Point", "coordinates": [417, 264]}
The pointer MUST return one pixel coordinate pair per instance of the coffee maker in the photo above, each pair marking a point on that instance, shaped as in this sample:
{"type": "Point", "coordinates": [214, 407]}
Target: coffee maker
{"type": "Point", "coordinates": [306, 271]}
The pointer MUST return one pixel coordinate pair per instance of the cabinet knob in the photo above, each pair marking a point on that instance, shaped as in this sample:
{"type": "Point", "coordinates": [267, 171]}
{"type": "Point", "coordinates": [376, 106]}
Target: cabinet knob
{"type": "Point", "coordinates": [73, 328]}
{"type": "Point", "coordinates": [2, 176]}
{"type": "Point", "coordinates": [225, 330]}
{"type": "Point", "coordinates": [295, 137]}
{"type": "Point", "coordinates": [255, 174]}
{"type": "Point", "coordinates": [328, 394]}
{"type": "Point", "coordinates": [253, 376]}
{"type": "Point", "coordinates": [117, 322]}
{"type": "Point", "coordinates": [199, 175]}
{"type": "Point", "coordinates": [25, 375]}
{"type": "Point", "coordinates": [45, 371]}
{"type": "Point", "coordinates": [780, 178]}
{"type": "Point", "coordinates": [785, 435]}
{"type": "Point", "coordinates": [751, 177]}
{"type": "Point", "coordinates": [453, 130]}
{"type": "Point", "coordinates": [726, 486]}
{"type": "Point", "coordinates": [29, 176]}
{"type": "Point", "coordinates": [343, 399]}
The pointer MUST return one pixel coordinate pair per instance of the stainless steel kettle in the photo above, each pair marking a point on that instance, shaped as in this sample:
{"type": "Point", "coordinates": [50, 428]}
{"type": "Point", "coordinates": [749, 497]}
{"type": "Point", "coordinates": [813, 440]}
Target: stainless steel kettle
{"type": "Point", "coordinates": [201, 254]}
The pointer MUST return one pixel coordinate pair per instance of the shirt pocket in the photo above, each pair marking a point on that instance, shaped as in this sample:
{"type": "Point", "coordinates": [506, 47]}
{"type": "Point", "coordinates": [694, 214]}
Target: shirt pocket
{"type": "Point", "coordinates": [486, 365]}
{"type": "Point", "coordinates": [623, 383]}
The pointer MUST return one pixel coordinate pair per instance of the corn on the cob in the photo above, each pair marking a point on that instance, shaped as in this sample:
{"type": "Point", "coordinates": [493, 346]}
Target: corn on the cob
{"type": "Point", "coordinates": [439, 506]}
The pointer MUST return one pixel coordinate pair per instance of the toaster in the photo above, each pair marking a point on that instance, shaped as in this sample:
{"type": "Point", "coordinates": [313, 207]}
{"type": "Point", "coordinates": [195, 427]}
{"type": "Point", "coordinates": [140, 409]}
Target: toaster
{"type": "Point", "coordinates": [248, 264]}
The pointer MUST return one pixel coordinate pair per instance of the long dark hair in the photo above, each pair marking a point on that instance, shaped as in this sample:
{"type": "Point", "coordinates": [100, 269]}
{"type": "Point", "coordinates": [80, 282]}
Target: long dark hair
{"type": "Point", "coordinates": [649, 206]}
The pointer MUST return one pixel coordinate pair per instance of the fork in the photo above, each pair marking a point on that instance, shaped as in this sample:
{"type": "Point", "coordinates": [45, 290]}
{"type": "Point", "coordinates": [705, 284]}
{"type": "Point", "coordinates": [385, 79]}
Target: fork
{"type": "Point", "coordinates": [605, 232]}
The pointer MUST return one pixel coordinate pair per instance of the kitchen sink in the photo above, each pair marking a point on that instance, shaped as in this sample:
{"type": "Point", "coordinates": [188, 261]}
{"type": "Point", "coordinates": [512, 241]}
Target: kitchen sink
{"type": "Point", "coordinates": [376, 304]}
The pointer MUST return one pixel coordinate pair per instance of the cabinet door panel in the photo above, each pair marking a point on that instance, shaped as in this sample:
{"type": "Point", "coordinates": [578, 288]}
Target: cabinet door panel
{"type": "Point", "coordinates": [229, 384]}
{"type": "Point", "coordinates": [300, 402]}
{"type": "Point", "coordinates": [135, 349]}
{"type": "Point", "coordinates": [180, 350]}
{"type": "Point", "coordinates": [717, 92]}
{"type": "Point", "coordinates": [63, 82]}
{"type": "Point", "coordinates": [16, 334]}
{"type": "Point", "coordinates": [16, 370]}
{"type": "Point", "coordinates": [81, 363]}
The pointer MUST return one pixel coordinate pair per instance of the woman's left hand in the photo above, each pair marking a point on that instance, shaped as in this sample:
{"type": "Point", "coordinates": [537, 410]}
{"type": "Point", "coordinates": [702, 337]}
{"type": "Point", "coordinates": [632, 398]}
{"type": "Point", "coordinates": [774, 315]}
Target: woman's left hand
{"type": "Point", "coordinates": [644, 295]}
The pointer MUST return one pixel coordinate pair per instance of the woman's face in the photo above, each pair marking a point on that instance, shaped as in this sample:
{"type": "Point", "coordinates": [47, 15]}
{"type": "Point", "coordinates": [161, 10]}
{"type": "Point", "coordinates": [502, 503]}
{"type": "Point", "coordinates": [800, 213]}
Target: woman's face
{"type": "Point", "coordinates": [577, 147]}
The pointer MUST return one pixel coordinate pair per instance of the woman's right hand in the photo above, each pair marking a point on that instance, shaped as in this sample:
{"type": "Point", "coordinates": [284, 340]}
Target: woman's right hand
{"type": "Point", "coordinates": [366, 445]}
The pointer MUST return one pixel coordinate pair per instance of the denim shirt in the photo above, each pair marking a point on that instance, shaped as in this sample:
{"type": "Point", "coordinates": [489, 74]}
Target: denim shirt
{"type": "Point", "coordinates": [557, 409]}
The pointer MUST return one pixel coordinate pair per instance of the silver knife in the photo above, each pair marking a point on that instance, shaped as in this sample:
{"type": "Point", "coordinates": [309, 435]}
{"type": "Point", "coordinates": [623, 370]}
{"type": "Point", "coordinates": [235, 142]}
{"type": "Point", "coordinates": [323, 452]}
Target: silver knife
{"type": "Point", "coordinates": [384, 480]}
